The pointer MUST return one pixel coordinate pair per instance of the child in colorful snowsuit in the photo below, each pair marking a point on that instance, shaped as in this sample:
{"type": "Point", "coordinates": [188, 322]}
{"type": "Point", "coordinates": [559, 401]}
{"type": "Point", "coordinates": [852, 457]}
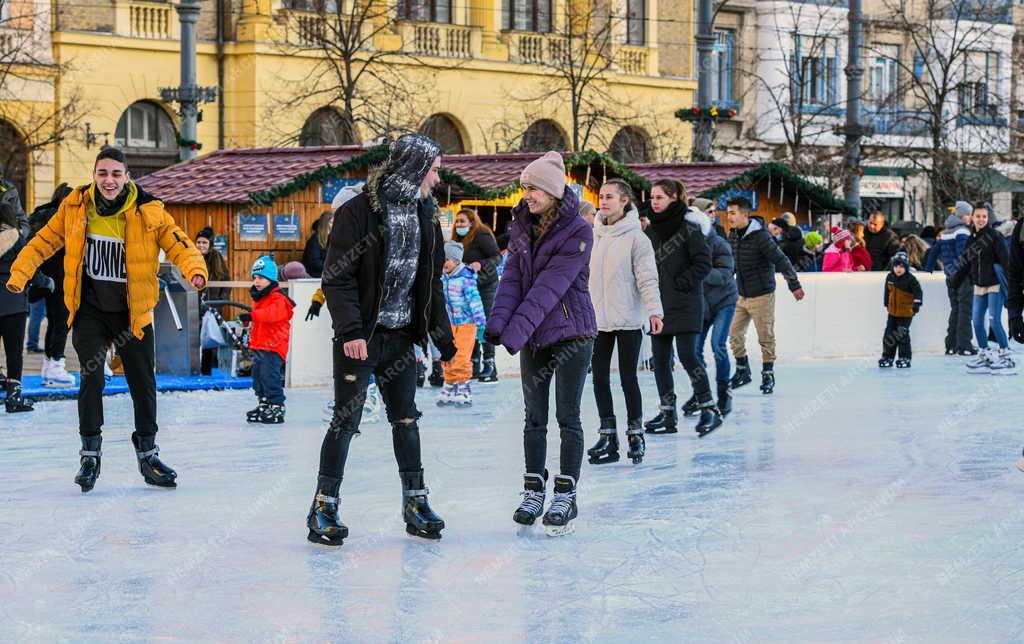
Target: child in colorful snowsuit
{"type": "Point", "coordinates": [466, 311]}
{"type": "Point", "coordinates": [902, 299]}
{"type": "Point", "coordinates": [268, 338]}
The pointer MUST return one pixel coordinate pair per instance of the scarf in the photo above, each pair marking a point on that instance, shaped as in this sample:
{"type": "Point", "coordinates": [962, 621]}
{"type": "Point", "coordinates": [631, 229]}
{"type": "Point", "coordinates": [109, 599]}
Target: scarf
{"type": "Point", "coordinates": [258, 295]}
{"type": "Point", "coordinates": [667, 223]}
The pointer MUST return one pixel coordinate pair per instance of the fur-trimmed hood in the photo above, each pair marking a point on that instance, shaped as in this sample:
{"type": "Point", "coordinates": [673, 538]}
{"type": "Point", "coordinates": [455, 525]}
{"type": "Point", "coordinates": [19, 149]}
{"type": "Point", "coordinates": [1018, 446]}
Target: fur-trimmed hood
{"type": "Point", "coordinates": [8, 238]}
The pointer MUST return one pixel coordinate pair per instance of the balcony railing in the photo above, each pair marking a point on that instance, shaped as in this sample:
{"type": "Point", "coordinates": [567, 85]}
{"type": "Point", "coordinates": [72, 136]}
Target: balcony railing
{"type": "Point", "coordinates": [633, 60]}
{"type": "Point", "coordinates": [440, 40]}
{"type": "Point", "coordinates": [538, 49]}
{"type": "Point", "coordinates": [898, 122]}
{"type": "Point", "coordinates": [150, 20]}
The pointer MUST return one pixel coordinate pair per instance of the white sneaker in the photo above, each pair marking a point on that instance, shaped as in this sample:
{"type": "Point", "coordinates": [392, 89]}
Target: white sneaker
{"type": "Point", "coordinates": [1003, 364]}
{"type": "Point", "coordinates": [981, 363]}
{"type": "Point", "coordinates": [56, 375]}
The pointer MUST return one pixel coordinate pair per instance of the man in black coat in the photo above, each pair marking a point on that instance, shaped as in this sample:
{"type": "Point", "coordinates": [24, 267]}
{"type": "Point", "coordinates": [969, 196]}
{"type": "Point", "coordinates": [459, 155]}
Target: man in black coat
{"type": "Point", "coordinates": [882, 242]}
{"type": "Point", "coordinates": [757, 258]}
{"type": "Point", "coordinates": [382, 284]}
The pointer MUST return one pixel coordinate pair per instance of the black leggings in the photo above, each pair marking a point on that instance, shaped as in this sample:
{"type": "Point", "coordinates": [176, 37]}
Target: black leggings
{"type": "Point", "coordinates": [12, 330]}
{"type": "Point", "coordinates": [56, 325]}
{"type": "Point", "coordinates": [629, 355]}
{"type": "Point", "coordinates": [686, 345]}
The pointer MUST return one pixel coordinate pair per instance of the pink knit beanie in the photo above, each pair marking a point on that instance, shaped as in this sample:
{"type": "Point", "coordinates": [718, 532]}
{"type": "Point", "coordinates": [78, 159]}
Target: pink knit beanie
{"type": "Point", "coordinates": [546, 173]}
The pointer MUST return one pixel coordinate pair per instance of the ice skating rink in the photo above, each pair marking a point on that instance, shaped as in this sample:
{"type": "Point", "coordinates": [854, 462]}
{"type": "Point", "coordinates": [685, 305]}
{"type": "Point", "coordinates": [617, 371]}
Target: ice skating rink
{"type": "Point", "coordinates": [852, 505]}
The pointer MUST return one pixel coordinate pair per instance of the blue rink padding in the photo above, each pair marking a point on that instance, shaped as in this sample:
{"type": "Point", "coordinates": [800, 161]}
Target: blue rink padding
{"type": "Point", "coordinates": [32, 386]}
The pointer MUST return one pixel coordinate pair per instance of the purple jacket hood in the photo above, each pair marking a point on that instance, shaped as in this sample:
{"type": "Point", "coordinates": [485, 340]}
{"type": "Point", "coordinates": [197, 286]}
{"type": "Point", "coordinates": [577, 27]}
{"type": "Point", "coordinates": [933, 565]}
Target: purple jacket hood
{"type": "Point", "coordinates": [543, 297]}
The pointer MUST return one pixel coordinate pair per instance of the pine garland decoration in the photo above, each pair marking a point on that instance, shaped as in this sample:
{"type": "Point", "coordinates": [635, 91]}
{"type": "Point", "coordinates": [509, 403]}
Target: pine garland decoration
{"type": "Point", "coordinates": [821, 196]}
{"type": "Point", "coordinates": [374, 156]}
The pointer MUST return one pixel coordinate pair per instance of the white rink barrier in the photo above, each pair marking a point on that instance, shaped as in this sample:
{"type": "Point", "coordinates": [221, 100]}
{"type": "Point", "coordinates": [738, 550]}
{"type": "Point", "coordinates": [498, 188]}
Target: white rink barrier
{"type": "Point", "coordinates": [841, 316]}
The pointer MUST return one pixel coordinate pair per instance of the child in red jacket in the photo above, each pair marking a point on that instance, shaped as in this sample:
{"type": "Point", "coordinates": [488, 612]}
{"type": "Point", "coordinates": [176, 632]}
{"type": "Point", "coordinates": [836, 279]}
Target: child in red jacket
{"type": "Point", "coordinates": [268, 338]}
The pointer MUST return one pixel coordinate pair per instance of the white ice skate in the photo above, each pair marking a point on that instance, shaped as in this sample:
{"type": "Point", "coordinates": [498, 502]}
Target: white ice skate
{"type": "Point", "coordinates": [55, 374]}
{"type": "Point", "coordinates": [371, 406]}
{"type": "Point", "coordinates": [447, 396]}
{"type": "Point", "coordinates": [1002, 364]}
{"type": "Point", "coordinates": [981, 363]}
{"type": "Point", "coordinates": [463, 396]}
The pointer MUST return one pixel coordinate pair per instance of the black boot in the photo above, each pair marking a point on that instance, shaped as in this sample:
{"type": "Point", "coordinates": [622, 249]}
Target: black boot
{"type": "Point", "coordinates": [561, 512]}
{"type": "Point", "coordinates": [768, 378]}
{"type": "Point", "coordinates": [153, 470]}
{"type": "Point", "coordinates": [324, 525]}
{"type": "Point", "coordinates": [253, 415]}
{"type": "Point", "coordinates": [532, 505]}
{"type": "Point", "coordinates": [436, 377]}
{"type": "Point", "coordinates": [635, 436]}
{"type": "Point", "coordinates": [742, 375]}
{"type": "Point", "coordinates": [90, 470]}
{"type": "Point", "coordinates": [664, 422]}
{"type": "Point", "coordinates": [421, 373]}
{"type": "Point", "coordinates": [691, 406]}
{"type": "Point", "coordinates": [15, 402]}
{"type": "Point", "coordinates": [724, 398]}
{"type": "Point", "coordinates": [272, 414]}
{"type": "Point", "coordinates": [490, 371]}
{"type": "Point", "coordinates": [420, 520]}
{"type": "Point", "coordinates": [606, 449]}
{"type": "Point", "coordinates": [710, 419]}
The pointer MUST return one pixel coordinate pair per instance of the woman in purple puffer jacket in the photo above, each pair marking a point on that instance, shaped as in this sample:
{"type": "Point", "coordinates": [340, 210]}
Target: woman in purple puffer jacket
{"type": "Point", "coordinates": [543, 310]}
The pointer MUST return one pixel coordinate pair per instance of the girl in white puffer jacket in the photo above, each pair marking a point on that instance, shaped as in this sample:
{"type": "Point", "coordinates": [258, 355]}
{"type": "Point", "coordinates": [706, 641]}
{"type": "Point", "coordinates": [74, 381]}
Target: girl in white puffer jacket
{"type": "Point", "coordinates": [624, 289]}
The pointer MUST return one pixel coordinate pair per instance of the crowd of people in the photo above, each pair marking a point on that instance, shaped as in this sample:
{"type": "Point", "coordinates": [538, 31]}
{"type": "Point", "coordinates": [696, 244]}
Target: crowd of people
{"type": "Point", "coordinates": [565, 288]}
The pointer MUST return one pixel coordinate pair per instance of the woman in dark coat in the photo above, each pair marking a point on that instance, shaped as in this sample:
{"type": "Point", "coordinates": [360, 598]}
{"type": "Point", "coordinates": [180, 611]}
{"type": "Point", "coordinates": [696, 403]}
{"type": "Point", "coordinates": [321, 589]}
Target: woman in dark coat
{"type": "Point", "coordinates": [480, 253]}
{"type": "Point", "coordinates": [217, 267]}
{"type": "Point", "coordinates": [13, 306]}
{"type": "Point", "coordinates": [315, 254]}
{"type": "Point", "coordinates": [683, 262]}
{"type": "Point", "coordinates": [54, 372]}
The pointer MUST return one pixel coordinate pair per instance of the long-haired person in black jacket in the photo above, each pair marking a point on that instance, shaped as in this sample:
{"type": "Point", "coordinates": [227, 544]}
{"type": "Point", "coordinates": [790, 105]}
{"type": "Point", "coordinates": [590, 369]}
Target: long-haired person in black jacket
{"type": "Point", "coordinates": [54, 373]}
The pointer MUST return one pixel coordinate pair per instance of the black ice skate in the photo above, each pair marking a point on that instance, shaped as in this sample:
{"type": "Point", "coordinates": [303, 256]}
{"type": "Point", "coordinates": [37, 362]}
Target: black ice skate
{"type": "Point", "coordinates": [664, 422]}
{"type": "Point", "coordinates": [768, 378]}
{"type": "Point", "coordinates": [724, 398]}
{"type": "Point", "coordinates": [903, 363]}
{"type": "Point", "coordinates": [885, 363]}
{"type": "Point", "coordinates": [253, 415]}
{"type": "Point", "coordinates": [742, 375]}
{"type": "Point", "coordinates": [532, 505]}
{"type": "Point", "coordinates": [436, 377]}
{"type": "Point", "coordinates": [421, 373]}
{"type": "Point", "coordinates": [606, 449]}
{"type": "Point", "coordinates": [272, 414]}
{"type": "Point", "coordinates": [691, 407]}
{"type": "Point", "coordinates": [420, 520]}
{"type": "Point", "coordinates": [16, 403]}
{"type": "Point", "coordinates": [325, 527]}
{"type": "Point", "coordinates": [558, 518]}
{"type": "Point", "coordinates": [710, 419]}
{"type": "Point", "coordinates": [635, 436]}
{"type": "Point", "coordinates": [153, 470]}
{"type": "Point", "coordinates": [489, 373]}
{"type": "Point", "coordinates": [90, 455]}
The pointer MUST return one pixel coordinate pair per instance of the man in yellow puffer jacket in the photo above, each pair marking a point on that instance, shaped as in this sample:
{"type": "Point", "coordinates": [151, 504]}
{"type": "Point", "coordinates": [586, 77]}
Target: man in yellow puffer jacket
{"type": "Point", "coordinates": [112, 233]}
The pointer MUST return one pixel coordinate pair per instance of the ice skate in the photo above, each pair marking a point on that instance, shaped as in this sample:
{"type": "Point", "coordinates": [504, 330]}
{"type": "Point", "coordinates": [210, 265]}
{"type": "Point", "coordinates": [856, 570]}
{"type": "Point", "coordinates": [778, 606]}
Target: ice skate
{"type": "Point", "coordinates": [969, 351]}
{"type": "Point", "coordinates": [463, 396]}
{"type": "Point", "coordinates": [742, 375]}
{"type": "Point", "coordinates": [982, 364]}
{"type": "Point", "coordinates": [635, 437]}
{"type": "Point", "coordinates": [903, 363]}
{"type": "Point", "coordinates": [436, 377]}
{"type": "Point", "coordinates": [325, 527]}
{"type": "Point", "coordinates": [16, 403]}
{"type": "Point", "coordinates": [446, 396]}
{"type": "Point", "coordinates": [55, 374]}
{"type": "Point", "coordinates": [90, 458]}
{"type": "Point", "coordinates": [1002, 364]}
{"type": "Point", "coordinates": [420, 519]}
{"type": "Point", "coordinates": [253, 415]}
{"type": "Point", "coordinates": [606, 449]}
{"type": "Point", "coordinates": [489, 373]}
{"type": "Point", "coordinates": [153, 470]}
{"type": "Point", "coordinates": [664, 422]}
{"type": "Point", "coordinates": [532, 505]}
{"type": "Point", "coordinates": [885, 363]}
{"type": "Point", "coordinates": [558, 518]}
{"type": "Point", "coordinates": [768, 378]}
{"type": "Point", "coordinates": [272, 414]}
{"type": "Point", "coordinates": [691, 407]}
{"type": "Point", "coordinates": [710, 419]}
{"type": "Point", "coordinates": [724, 398]}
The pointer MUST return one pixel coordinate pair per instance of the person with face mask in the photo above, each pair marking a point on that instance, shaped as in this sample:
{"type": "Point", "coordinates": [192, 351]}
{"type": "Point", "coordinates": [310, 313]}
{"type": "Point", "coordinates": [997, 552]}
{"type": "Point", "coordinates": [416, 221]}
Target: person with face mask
{"type": "Point", "coordinates": [480, 254]}
{"type": "Point", "coordinates": [382, 284]}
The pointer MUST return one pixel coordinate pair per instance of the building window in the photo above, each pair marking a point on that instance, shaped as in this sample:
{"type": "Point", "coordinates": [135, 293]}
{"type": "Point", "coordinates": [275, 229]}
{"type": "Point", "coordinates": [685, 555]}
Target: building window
{"type": "Point", "coordinates": [636, 16]}
{"type": "Point", "coordinates": [979, 93]}
{"type": "Point", "coordinates": [146, 125]}
{"type": "Point", "coordinates": [722, 67]}
{"type": "Point", "coordinates": [325, 127]}
{"type": "Point", "coordinates": [630, 145]}
{"type": "Point", "coordinates": [443, 130]}
{"type": "Point", "coordinates": [425, 10]}
{"type": "Point", "coordinates": [313, 6]}
{"type": "Point", "coordinates": [814, 72]}
{"type": "Point", "coordinates": [526, 15]}
{"type": "Point", "coordinates": [884, 82]}
{"type": "Point", "coordinates": [542, 136]}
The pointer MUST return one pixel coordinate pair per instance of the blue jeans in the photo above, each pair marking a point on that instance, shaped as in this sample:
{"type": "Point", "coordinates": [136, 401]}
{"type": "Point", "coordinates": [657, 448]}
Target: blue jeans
{"type": "Point", "coordinates": [993, 303]}
{"type": "Point", "coordinates": [719, 327]}
{"type": "Point", "coordinates": [36, 313]}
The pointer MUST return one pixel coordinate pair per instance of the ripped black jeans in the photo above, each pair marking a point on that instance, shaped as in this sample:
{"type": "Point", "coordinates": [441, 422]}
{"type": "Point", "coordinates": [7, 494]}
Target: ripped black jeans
{"type": "Point", "coordinates": [391, 359]}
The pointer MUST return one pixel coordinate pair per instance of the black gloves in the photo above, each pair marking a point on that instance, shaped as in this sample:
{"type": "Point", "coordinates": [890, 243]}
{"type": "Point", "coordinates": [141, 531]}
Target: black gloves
{"type": "Point", "coordinates": [314, 310]}
{"type": "Point", "coordinates": [244, 318]}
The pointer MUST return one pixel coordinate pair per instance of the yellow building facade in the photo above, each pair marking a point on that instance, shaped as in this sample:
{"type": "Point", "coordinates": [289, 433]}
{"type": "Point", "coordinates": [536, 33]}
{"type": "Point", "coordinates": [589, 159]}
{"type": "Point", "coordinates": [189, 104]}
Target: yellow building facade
{"type": "Point", "coordinates": [475, 71]}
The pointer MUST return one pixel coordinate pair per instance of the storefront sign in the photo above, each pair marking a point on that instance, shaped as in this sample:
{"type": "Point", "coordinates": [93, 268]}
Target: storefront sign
{"type": "Point", "coordinates": [220, 243]}
{"type": "Point", "coordinates": [729, 194]}
{"type": "Point", "coordinates": [329, 188]}
{"type": "Point", "coordinates": [446, 218]}
{"type": "Point", "coordinates": [252, 227]}
{"type": "Point", "coordinates": [287, 228]}
{"type": "Point", "coordinates": [875, 186]}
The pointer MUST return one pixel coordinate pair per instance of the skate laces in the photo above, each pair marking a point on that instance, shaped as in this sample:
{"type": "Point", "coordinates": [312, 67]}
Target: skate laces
{"type": "Point", "coordinates": [562, 502]}
{"type": "Point", "coordinates": [533, 502]}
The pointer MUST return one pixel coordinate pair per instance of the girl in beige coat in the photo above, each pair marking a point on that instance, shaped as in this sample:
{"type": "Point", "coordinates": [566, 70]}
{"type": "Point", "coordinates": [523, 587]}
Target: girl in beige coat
{"type": "Point", "coordinates": [624, 289]}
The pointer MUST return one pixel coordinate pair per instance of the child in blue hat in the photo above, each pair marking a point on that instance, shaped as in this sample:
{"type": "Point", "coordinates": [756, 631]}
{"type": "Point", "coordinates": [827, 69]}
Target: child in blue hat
{"type": "Point", "coordinates": [268, 338]}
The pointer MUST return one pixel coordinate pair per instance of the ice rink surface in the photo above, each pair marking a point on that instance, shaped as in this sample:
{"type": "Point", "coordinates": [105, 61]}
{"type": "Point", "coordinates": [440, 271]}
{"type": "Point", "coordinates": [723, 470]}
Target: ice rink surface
{"type": "Point", "coordinates": [852, 505]}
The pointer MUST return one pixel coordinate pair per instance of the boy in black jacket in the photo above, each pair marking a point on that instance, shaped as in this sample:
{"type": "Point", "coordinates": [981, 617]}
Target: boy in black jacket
{"type": "Point", "coordinates": [902, 298]}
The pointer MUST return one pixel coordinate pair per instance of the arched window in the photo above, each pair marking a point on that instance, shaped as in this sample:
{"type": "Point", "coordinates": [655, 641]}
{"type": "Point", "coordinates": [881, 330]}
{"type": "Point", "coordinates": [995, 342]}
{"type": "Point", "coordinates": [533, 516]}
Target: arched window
{"type": "Point", "coordinates": [630, 145]}
{"type": "Point", "coordinates": [14, 158]}
{"type": "Point", "coordinates": [325, 127]}
{"type": "Point", "coordinates": [542, 136]}
{"type": "Point", "coordinates": [443, 129]}
{"type": "Point", "coordinates": [148, 137]}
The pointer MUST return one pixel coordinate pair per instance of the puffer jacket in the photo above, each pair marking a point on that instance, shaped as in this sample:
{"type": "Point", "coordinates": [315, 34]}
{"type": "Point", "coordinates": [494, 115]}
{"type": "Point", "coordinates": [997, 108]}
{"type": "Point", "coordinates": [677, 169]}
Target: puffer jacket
{"type": "Point", "coordinates": [543, 297]}
{"type": "Point", "coordinates": [623, 275]}
{"type": "Point", "coordinates": [882, 246]}
{"type": "Point", "coordinates": [861, 257]}
{"type": "Point", "coordinates": [272, 323]}
{"type": "Point", "coordinates": [148, 230]}
{"type": "Point", "coordinates": [836, 260]}
{"type": "Point", "coordinates": [792, 246]}
{"type": "Point", "coordinates": [683, 262]}
{"type": "Point", "coordinates": [984, 251]}
{"type": "Point", "coordinates": [720, 284]}
{"type": "Point", "coordinates": [902, 295]}
{"type": "Point", "coordinates": [757, 257]}
{"type": "Point", "coordinates": [949, 247]}
{"type": "Point", "coordinates": [462, 297]}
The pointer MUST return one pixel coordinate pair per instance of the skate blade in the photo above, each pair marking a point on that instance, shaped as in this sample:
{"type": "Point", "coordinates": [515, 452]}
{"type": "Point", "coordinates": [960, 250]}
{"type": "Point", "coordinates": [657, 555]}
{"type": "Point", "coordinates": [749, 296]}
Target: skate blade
{"type": "Point", "coordinates": [162, 485]}
{"type": "Point", "coordinates": [58, 385]}
{"type": "Point", "coordinates": [423, 534]}
{"type": "Point", "coordinates": [658, 432]}
{"type": "Point", "coordinates": [703, 434]}
{"type": "Point", "coordinates": [637, 460]}
{"type": "Point", "coordinates": [559, 530]}
{"type": "Point", "coordinates": [324, 540]}
{"type": "Point", "coordinates": [604, 459]}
